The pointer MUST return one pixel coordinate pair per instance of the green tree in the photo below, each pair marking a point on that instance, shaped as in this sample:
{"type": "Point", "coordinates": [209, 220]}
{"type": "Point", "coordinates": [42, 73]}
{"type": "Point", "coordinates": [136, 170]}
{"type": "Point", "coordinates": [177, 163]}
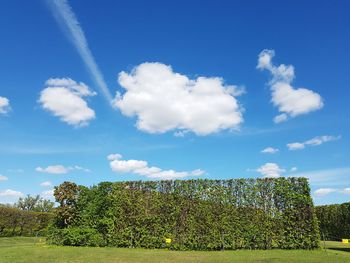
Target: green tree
{"type": "Point", "coordinates": [66, 194]}
{"type": "Point", "coordinates": [28, 203]}
{"type": "Point", "coordinates": [34, 203]}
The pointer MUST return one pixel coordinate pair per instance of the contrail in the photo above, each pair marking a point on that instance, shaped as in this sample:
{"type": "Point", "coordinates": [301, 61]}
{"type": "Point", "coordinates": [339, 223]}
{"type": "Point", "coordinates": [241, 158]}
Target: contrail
{"type": "Point", "coordinates": [68, 21]}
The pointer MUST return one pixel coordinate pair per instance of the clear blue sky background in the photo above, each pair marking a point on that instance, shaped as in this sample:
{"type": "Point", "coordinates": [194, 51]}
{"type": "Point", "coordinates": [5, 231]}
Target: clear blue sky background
{"type": "Point", "coordinates": [197, 38]}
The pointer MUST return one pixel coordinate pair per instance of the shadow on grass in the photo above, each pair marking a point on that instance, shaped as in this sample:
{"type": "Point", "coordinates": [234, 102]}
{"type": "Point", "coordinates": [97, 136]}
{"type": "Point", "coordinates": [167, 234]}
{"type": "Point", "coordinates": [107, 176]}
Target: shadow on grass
{"type": "Point", "coordinates": [345, 249]}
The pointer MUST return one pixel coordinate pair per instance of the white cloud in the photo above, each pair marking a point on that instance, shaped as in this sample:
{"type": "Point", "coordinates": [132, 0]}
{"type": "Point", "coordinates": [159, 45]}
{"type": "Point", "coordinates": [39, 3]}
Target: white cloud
{"type": "Point", "coordinates": [46, 184]}
{"type": "Point", "coordinates": [346, 190]}
{"type": "Point", "coordinates": [270, 150]}
{"type": "Point", "coordinates": [79, 168]}
{"type": "Point", "coordinates": [48, 194]}
{"type": "Point", "coordinates": [10, 193]}
{"type": "Point", "coordinates": [328, 177]}
{"type": "Point", "coordinates": [64, 99]}
{"type": "Point", "coordinates": [141, 168]}
{"type": "Point", "coordinates": [318, 140]}
{"type": "Point", "coordinates": [293, 169]}
{"type": "Point", "coordinates": [295, 146]}
{"type": "Point", "coordinates": [280, 118]}
{"type": "Point", "coordinates": [60, 169]}
{"type": "Point", "coordinates": [53, 169]}
{"type": "Point", "coordinates": [3, 178]}
{"type": "Point", "coordinates": [163, 100]}
{"type": "Point", "coordinates": [4, 105]}
{"type": "Point", "coordinates": [324, 191]}
{"type": "Point", "coordinates": [69, 22]}
{"type": "Point", "coordinates": [270, 170]}
{"type": "Point", "coordinates": [290, 101]}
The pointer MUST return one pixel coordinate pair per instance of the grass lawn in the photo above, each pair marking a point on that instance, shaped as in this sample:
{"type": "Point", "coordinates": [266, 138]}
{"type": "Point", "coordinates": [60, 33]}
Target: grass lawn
{"type": "Point", "coordinates": [28, 250]}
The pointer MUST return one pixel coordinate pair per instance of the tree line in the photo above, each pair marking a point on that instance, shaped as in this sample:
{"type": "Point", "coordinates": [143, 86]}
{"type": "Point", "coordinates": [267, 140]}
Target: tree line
{"type": "Point", "coordinates": [30, 216]}
{"type": "Point", "coordinates": [334, 221]}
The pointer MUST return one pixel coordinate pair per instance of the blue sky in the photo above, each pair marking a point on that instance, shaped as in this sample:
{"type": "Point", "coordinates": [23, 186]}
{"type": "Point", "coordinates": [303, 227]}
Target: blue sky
{"type": "Point", "coordinates": [199, 85]}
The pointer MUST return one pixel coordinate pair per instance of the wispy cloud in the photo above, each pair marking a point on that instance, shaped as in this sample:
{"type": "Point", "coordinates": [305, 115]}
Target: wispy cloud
{"type": "Point", "coordinates": [328, 177]}
{"type": "Point", "coordinates": [68, 21]}
{"type": "Point", "coordinates": [321, 192]}
{"type": "Point", "coordinates": [3, 178]}
{"type": "Point", "coordinates": [270, 150]}
{"type": "Point", "coordinates": [60, 169]}
{"type": "Point", "coordinates": [46, 184]}
{"type": "Point", "coordinates": [318, 140]}
{"type": "Point", "coordinates": [324, 191]}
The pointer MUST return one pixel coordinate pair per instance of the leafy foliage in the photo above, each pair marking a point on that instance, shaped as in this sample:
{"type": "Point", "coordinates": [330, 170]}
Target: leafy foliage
{"type": "Point", "coordinates": [66, 194]}
{"type": "Point", "coordinates": [334, 221]}
{"type": "Point", "coordinates": [35, 203]}
{"type": "Point", "coordinates": [16, 222]}
{"type": "Point", "coordinates": [195, 214]}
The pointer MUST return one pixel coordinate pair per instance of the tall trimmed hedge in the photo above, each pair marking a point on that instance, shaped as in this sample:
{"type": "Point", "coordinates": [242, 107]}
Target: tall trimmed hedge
{"type": "Point", "coordinates": [16, 222]}
{"type": "Point", "coordinates": [194, 214]}
{"type": "Point", "coordinates": [334, 221]}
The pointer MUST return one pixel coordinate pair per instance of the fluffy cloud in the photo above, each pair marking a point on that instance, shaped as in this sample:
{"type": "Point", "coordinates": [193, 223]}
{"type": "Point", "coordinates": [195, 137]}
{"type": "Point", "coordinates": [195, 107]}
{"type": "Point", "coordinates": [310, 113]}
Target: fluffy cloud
{"type": "Point", "coordinates": [141, 168]}
{"type": "Point", "coordinates": [270, 150]}
{"type": "Point", "coordinates": [270, 170]}
{"type": "Point", "coordinates": [60, 169]}
{"type": "Point", "coordinates": [290, 101]}
{"type": "Point", "coordinates": [4, 105]}
{"type": "Point", "coordinates": [3, 178]}
{"type": "Point", "coordinates": [46, 184]}
{"type": "Point", "coordinates": [324, 191]}
{"type": "Point", "coordinates": [10, 193]}
{"type": "Point", "coordinates": [318, 140]}
{"type": "Point", "coordinates": [64, 99]}
{"type": "Point", "coordinates": [163, 100]}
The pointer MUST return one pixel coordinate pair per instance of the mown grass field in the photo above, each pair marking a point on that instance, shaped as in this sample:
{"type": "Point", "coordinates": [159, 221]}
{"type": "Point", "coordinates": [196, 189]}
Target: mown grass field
{"type": "Point", "coordinates": [35, 250]}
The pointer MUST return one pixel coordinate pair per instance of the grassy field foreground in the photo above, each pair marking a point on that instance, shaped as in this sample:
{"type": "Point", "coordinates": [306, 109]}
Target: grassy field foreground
{"type": "Point", "coordinates": [35, 250]}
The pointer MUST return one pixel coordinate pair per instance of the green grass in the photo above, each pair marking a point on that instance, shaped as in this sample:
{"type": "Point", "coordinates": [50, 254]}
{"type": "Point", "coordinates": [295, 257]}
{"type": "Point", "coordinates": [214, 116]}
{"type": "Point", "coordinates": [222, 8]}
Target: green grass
{"type": "Point", "coordinates": [27, 250]}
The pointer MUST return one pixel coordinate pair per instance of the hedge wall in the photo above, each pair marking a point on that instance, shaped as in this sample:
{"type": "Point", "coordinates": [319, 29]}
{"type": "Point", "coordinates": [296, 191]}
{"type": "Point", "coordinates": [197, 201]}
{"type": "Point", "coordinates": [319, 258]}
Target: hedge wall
{"type": "Point", "coordinates": [334, 221]}
{"type": "Point", "coordinates": [16, 222]}
{"type": "Point", "coordinates": [194, 214]}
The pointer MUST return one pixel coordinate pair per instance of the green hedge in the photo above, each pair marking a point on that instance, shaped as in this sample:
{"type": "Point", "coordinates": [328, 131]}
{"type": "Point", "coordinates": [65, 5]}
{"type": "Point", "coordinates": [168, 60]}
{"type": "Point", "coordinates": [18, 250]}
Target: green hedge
{"type": "Point", "coordinates": [334, 221]}
{"type": "Point", "coordinates": [16, 222]}
{"type": "Point", "coordinates": [195, 214]}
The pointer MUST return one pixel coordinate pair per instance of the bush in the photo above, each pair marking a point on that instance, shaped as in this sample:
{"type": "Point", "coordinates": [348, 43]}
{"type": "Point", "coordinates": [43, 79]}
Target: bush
{"type": "Point", "coordinates": [195, 214]}
{"type": "Point", "coordinates": [334, 221]}
{"type": "Point", "coordinates": [75, 236]}
{"type": "Point", "coordinates": [16, 222]}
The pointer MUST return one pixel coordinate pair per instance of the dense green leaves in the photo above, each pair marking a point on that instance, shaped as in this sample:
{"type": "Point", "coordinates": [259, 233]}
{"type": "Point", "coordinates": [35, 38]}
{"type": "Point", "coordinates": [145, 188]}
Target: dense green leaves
{"type": "Point", "coordinates": [195, 214]}
{"type": "Point", "coordinates": [334, 221]}
{"type": "Point", "coordinates": [16, 222]}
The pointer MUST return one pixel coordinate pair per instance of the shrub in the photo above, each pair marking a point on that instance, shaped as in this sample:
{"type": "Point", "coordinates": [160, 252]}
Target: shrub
{"type": "Point", "coordinates": [195, 214]}
{"type": "Point", "coordinates": [75, 236]}
{"type": "Point", "coordinates": [16, 222]}
{"type": "Point", "coordinates": [334, 221]}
